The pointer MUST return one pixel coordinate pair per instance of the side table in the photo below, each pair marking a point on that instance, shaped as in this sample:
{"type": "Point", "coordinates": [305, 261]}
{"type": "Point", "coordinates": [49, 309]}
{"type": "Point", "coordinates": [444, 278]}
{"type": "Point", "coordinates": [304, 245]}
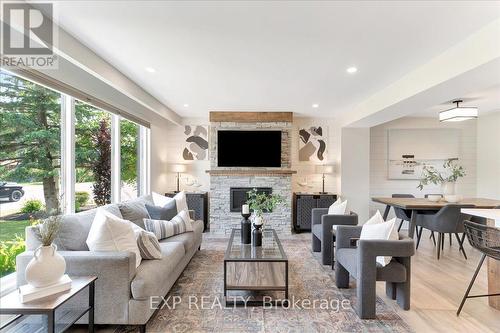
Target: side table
{"type": "Point", "coordinates": [57, 319]}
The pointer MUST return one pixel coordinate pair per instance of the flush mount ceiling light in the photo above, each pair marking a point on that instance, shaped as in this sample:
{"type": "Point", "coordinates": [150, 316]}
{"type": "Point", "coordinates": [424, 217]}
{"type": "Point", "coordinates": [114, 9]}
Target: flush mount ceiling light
{"type": "Point", "coordinates": [351, 70]}
{"type": "Point", "coordinates": [150, 69]}
{"type": "Point", "coordinates": [186, 105]}
{"type": "Point", "coordinates": [458, 113]}
{"type": "Point", "coordinates": [315, 106]}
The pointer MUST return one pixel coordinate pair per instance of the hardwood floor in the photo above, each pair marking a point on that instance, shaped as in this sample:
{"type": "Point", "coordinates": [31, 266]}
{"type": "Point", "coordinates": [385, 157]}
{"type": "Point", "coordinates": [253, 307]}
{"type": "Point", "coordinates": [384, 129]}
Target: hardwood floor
{"type": "Point", "coordinates": [437, 290]}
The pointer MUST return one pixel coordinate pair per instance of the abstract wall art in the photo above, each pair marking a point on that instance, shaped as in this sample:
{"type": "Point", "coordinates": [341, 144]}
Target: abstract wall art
{"type": "Point", "coordinates": [196, 143]}
{"type": "Point", "coordinates": [409, 150]}
{"type": "Point", "coordinates": [312, 144]}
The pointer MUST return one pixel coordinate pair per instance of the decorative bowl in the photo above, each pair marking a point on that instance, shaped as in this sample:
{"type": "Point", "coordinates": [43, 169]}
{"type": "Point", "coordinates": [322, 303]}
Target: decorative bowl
{"type": "Point", "coordinates": [434, 197]}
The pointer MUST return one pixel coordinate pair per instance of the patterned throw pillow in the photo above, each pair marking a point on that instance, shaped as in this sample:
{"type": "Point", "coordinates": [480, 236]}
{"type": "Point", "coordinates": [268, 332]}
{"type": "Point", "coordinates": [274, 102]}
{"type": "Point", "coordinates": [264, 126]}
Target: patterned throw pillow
{"type": "Point", "coordinates": [181, 223]}
{"type": "Point", "coordinates": [148, 245]}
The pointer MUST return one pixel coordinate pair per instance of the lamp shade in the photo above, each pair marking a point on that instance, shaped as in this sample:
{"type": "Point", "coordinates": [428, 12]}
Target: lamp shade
{"type": "Point", "coordinates": [178, 168]}
{"type": "Point", "coordinates": [458, 113]}
{"type": "Point", "coordinates": [324, 169]}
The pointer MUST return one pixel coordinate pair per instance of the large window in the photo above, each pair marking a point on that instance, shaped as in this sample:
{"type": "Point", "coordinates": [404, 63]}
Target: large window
{"type": "Point", "coordinates": [129, 146]}
{"type": "Point", "coordinates": [92, 157]}
{"type": "Point", "coordinates": [45, 169]}
{"type": "Point", "coordinates": [30, 117]}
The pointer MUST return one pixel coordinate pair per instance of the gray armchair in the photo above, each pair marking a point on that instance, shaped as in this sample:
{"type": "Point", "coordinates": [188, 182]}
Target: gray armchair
{"type": "Point", "coordinates": [321, 230]}
{"type": "Point", "coordinates": [360, 262]}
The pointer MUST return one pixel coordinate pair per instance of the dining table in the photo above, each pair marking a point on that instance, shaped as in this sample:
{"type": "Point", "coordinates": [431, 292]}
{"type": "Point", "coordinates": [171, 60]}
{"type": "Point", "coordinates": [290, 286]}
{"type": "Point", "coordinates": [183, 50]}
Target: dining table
{"type": "Point", "coordinates": [424, 205]}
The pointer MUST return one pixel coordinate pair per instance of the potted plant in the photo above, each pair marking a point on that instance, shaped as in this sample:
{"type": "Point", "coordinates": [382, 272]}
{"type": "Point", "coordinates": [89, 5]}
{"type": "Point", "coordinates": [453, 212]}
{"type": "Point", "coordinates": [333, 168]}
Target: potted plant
{"type": "Point", "coordinates": [47, 266]}
{"type": "Point", "coordinates": [260, 203]}
{"type": "Point", "coordinates": [447, 179]}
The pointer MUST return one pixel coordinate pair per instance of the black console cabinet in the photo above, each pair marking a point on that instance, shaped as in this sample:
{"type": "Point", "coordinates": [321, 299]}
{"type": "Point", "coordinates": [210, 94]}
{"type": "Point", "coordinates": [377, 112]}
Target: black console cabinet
{"type": "Point", "coordinates": [303, 204]}
{"type": "Point", "coordinates": [197, 201]}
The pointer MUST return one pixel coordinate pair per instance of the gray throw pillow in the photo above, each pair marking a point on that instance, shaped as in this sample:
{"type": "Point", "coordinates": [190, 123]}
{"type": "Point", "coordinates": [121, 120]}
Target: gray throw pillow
{"type": "Point", "coordinates": [134, 211]}
{"type": "Point", "coordinates": [166, 212]}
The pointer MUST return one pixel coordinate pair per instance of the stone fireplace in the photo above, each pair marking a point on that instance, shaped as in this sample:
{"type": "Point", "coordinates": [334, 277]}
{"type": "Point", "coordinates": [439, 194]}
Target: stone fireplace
{"type": "Point", "coordinates": [225, 182]}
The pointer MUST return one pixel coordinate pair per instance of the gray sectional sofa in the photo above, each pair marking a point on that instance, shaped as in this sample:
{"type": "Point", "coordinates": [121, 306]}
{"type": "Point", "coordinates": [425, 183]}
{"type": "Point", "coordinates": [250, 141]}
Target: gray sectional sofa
{"type": "Point", "coordinates": [123, 291]}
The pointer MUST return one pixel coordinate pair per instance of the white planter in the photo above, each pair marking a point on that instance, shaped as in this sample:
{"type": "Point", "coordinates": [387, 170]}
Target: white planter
{"type": "Point", "coordinates": [448, 188]}
{"type": "Point", "coordinates": [46, 267]}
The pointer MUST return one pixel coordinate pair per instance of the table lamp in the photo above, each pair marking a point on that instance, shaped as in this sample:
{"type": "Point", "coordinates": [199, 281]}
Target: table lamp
{"type": "Point", "coordinates": [324, 169]}
{"type": "Point", "coordinates": [178, 168]}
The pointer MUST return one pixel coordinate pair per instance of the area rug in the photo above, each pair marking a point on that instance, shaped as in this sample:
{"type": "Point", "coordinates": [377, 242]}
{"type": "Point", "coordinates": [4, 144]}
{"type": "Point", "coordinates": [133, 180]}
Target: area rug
{"type": "Point", "coordinates": [199, 288]}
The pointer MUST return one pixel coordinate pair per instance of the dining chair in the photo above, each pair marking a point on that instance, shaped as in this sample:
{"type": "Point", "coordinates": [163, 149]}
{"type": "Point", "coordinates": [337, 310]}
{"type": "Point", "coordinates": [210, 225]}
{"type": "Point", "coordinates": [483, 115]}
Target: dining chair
{"type": "Point", "coordinates": [486, 239]}
{"type": "Point", "coordinates": [402, 214]}
{"type": "Point", "coordinates": [448, 220]}
{"type": "Point", "coordinates": [432, 232]}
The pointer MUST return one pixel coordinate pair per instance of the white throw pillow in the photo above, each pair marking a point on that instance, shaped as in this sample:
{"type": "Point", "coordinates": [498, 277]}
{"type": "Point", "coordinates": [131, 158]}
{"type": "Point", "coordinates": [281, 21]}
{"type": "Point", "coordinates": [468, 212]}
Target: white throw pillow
{"type": "Point", "coordinates": [160, 200]}
{"type": "Point", "coordinates": [181, 202]}
{"type": "Point", "coordinates": [110, 233]}
{"type": "Point", "coordinates": [337, 208]}
{"type": "Point", "coordinates": [336, 203]}
{"type": "Point", "coordinates": [385, 231]}
{"type": "Point", "coordinates": [375, 219]}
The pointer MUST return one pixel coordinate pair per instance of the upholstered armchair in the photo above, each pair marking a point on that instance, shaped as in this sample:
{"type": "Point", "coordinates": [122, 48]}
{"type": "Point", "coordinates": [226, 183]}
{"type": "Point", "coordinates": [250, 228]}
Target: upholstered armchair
{"type": "Point", "coordinates": [360, 262]}
{"type": "Point", "coordinates": [321, 230]}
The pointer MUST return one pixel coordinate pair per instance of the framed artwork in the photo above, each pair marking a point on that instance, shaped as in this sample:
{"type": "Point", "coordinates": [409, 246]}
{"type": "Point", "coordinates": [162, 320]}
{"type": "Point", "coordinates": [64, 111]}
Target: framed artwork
{"type": "Point", "coordinates": [312, 144]}
{"type": "Point", "coordinates": [409, 150]}
{"type": "Point", "coordinates": [195, 143]}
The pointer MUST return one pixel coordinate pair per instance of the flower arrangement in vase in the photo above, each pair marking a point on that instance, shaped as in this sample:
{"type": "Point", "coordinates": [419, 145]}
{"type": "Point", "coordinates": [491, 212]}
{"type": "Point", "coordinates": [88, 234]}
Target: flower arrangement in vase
{"type": "Point", "coordinates": [447, 179]}
{"type": "Point", "coordinates": [261, 202]}
{"type": "Point", "coordinates": [47, 266]}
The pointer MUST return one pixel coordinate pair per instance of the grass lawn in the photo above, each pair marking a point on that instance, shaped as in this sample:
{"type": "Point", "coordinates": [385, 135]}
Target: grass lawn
{"type": "Point", "coordinates": [8, 229]}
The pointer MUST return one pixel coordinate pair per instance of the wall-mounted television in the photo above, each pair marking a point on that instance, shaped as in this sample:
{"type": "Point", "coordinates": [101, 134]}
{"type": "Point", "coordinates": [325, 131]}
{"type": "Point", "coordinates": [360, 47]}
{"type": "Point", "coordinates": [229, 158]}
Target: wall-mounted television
{"type": "Point", "coordinates": [248, 148]}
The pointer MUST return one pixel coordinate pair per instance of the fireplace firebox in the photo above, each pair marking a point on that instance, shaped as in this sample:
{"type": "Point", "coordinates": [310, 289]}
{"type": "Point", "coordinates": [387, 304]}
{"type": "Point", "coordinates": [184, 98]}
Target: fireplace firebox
{"type": "Point", "coordinates": [238, 196]}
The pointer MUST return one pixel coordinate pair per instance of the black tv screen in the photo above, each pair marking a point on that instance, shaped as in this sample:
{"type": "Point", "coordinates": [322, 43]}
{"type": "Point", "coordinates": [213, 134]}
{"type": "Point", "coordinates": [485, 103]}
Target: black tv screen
{"type": "Point", "coordinates": [249, 148]}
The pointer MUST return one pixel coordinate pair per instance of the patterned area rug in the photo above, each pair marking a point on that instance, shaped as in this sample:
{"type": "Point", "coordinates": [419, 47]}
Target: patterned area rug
{"type": "Point", "coordinates": [202, 284]}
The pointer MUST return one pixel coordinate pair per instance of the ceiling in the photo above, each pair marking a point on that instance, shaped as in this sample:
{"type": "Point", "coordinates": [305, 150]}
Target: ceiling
{"type": "Point", "coordinates": [486, 100]}
{"type": "Point", "coordinates": [269, 56]}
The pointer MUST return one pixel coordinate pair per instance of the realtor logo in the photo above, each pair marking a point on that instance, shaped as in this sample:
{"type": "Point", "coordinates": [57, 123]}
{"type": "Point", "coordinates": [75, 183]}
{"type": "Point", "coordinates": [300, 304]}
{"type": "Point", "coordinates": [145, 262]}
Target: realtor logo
{"type": "Point", "coordinates": [27, 35]}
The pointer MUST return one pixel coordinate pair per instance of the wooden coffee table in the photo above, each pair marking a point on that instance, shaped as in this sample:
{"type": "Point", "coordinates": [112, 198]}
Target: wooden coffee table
{"type": "Point", "coordinates": [255, 269]}
{"type": "Point", "coordinates": [56, 318]}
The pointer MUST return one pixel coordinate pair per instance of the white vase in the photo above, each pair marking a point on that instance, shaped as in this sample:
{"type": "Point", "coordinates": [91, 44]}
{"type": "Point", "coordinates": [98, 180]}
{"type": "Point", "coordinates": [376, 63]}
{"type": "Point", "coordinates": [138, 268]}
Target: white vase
{"type": "Point", "coordinates": [258, 219]}
{"type": "Point", "coordinates": [46, 267]}
{"type": "Point", "coordinates": [448, 188]}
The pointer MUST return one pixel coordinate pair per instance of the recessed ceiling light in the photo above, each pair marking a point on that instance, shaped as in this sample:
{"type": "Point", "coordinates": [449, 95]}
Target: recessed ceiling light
{"type": "Point", "coordinates": [351, 70]}
{"type": "Point", "coordinates": [186, 105]}
{"type": "Point", "coordinates": [315, 106]}
{"type": "Point", "coordinates": [150, 69]}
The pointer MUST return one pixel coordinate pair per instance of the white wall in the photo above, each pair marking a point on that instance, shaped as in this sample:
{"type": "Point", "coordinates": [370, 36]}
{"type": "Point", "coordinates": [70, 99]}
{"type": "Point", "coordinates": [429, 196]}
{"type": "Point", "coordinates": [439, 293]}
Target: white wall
{"type": "Point", "coordinates": [174, 145]}
{"type": "Point", "coordinates": [355, 170]}
{"type": "Point", "coordinates": [380, 185]}
{"type": "Point", "coordinates": [159, 155]}
{"type": "Point", "coordinates": [488, 156]}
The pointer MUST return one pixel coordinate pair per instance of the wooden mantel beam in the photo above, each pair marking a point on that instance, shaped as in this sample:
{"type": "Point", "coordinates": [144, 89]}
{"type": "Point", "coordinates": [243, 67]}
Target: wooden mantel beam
{"type": "Point", "coordinates": [250, 117]}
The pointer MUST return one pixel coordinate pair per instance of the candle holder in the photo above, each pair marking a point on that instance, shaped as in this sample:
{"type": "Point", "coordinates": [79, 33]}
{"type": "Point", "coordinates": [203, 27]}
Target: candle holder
{"type": "Point", "coordinates": [246, 229]}
{"type": "Point", "coordinates": [257, 235]}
